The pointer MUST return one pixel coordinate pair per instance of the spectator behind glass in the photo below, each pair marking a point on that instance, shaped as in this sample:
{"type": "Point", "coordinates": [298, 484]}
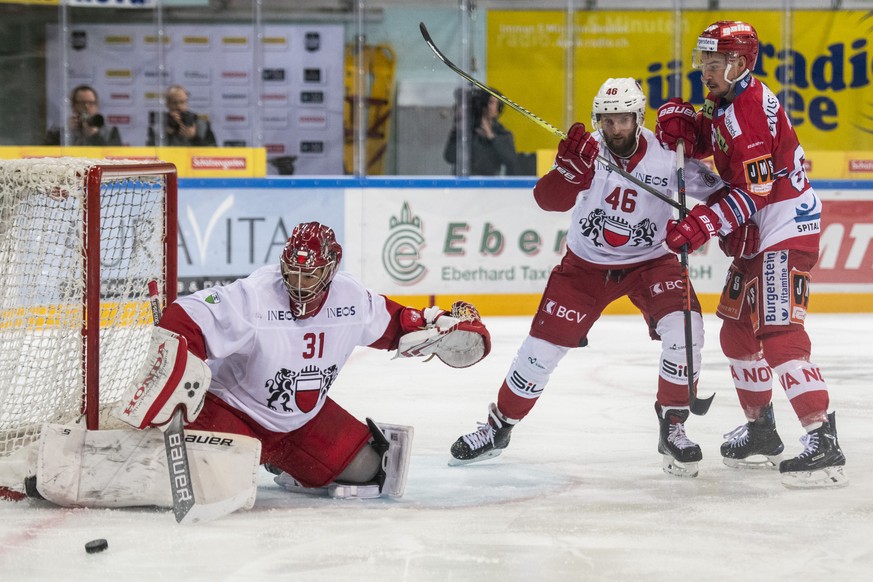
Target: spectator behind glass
{"type": "Point", "coordinates": [86, 126]}
{"type": "Point", "coordinates": [492, 147]}
{"type": "Point", "coordinates": [182, 127]}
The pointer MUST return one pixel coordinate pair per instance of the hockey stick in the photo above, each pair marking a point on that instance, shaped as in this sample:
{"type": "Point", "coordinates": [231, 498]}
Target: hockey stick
{"type": "Point", "coordinates": [698, 406]}
{"type": "Point", "coordinates": [539, 121]}
{"type": "Point", "coordinates": [174, 442]}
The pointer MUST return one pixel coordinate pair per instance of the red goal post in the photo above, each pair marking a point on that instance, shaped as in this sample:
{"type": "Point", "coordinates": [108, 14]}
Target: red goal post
{"type": "Point", "coordinates": [79, 241]}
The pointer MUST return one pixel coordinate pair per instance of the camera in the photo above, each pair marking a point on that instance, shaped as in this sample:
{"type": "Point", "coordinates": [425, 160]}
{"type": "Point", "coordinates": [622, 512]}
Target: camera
{"type": "Point", "coordinates": [95, 120]}
{"type": "Point", "coordinates": [187, 117]}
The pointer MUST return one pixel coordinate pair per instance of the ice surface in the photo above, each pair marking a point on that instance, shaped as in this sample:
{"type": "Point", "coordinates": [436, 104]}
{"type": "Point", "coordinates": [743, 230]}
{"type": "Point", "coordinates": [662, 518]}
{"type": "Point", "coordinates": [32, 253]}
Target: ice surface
{"type": "Point", "coordinates": [578, 495]}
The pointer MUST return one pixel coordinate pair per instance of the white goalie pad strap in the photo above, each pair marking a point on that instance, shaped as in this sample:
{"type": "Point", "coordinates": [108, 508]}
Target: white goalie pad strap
{"type": "Point", "coordinates": [335, 490]}
{"type": "Point", "coordinates": [171, 377]}
{"type": "Point", "coordinates": [128, 468]}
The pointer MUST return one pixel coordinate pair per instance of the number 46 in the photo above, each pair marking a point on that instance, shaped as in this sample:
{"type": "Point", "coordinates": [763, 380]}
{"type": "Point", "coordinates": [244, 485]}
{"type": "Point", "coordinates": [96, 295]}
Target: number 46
{"type": "Point", "coordinates": [623, 200]}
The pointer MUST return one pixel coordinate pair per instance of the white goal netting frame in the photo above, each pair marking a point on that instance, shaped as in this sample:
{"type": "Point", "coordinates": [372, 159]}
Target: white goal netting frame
{"type": "Point", "coordinates": [79, 241]}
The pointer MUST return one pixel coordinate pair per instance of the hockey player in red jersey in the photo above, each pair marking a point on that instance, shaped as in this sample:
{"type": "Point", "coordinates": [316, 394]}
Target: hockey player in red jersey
{"type": "Point", "coordinates": [764, 303]}
{"type": "Point", "coordinates": [614, 249]}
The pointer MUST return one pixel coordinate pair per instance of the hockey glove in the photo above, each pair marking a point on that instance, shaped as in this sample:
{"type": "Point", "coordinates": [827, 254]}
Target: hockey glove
{"type": "Point", "coordinates": [699, 226]}
{"type": "Point", "coordinates": [576, 155]}
{"type": "Point", "coordinates": [742, 242]}
{"type": "Point", "coordinates": [677, 120]}
{"type": "Point", "coordinates": [171, 377]}
{"type": "Point", "coordinates": [458, 338]}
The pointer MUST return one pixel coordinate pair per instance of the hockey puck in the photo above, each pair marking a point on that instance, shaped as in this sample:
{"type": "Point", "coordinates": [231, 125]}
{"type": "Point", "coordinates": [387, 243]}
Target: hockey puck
{"type": "Point", "coordinates": [95, 546]}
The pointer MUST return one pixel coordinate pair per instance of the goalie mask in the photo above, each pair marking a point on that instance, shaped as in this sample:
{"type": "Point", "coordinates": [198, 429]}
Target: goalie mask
{"type": "Point", "coordinates": [309, 262]}
{"type": "Point", "coordinates": [619, 96]}
{"type": "Point", "coordinates": [733, 39]}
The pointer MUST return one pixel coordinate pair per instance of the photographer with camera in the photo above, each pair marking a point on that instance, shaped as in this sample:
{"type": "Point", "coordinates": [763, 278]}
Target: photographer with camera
{"type": "Point", "coordinates": [181, 127]}
{"type": "Point", "coordinates": [86, 126]}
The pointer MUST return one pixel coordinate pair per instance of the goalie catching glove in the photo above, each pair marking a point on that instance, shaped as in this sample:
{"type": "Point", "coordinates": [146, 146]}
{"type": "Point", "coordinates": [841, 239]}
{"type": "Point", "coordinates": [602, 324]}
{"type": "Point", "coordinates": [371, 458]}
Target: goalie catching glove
{"type": "Point", "coordinates": [458, 338]}
{"type": "Point", "coordinates": [171, 377]}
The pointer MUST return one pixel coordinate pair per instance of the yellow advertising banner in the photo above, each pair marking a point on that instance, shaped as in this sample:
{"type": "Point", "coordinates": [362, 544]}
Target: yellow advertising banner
{"type": "Point", "coordinates": [190, 162]}
{"type": "Point", "coordinates": [820, 63]}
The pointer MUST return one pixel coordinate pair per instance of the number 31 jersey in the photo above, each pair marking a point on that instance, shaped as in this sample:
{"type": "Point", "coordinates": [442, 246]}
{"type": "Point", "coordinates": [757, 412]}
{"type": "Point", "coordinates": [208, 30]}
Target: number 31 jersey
{"type": "Point", "coordinates": [272, 367]}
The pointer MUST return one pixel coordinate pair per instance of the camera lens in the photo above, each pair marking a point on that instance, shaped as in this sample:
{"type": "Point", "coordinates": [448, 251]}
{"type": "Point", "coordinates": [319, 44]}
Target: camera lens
{"type": "Point", "coordinates": [95, 120]}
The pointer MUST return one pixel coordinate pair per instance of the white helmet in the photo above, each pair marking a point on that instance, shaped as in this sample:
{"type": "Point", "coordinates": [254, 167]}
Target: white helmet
{"type": "Point", "coordinates": [619, 96]}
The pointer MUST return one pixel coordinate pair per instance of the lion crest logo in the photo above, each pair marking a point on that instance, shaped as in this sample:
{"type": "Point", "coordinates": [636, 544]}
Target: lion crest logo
{"type": "Point", "coordinates": [304, 388]}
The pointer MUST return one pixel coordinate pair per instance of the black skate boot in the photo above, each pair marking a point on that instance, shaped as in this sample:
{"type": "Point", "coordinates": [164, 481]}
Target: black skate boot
{"type": "Point", "coordinates": [754, 445]}
{"type": "Point", "coordinates": [681, 455]}
{"type": "Point", "coordinates": [821, 464]}
{"type": "Point", "coordinates": [486, 443]}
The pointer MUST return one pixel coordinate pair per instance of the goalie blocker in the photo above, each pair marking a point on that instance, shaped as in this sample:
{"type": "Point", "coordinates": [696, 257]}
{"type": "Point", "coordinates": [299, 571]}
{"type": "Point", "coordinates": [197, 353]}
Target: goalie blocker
{"type": "Point", "coordinates": [170, 378]}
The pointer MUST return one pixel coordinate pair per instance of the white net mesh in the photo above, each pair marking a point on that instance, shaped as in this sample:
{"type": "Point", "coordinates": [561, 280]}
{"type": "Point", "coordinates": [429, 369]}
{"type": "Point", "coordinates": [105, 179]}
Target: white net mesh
{"type": "Point", "coordinates": [43, 258]}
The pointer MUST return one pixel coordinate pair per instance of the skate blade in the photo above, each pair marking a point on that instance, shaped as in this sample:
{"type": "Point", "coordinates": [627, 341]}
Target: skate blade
{"type": "Point", "coordinates": [827, 478]}
{"type": "Point", "coordinates": [754, 462]}
{"type": "Point", "coordinates": [673, 467]}
{"type": "Point", "coordinates": [453, 462]}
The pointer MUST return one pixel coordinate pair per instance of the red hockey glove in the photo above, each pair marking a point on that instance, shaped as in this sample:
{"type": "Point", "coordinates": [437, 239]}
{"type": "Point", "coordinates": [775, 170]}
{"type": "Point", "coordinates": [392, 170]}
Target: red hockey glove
{"type": "Point", "coordinates": [677, 120]}
{"type": "Point", "coordinates": [699, 226]}
{"type": "Point", "coordinates": [742, 242]}
{"type": "Point", "coordinates": [576, 155]}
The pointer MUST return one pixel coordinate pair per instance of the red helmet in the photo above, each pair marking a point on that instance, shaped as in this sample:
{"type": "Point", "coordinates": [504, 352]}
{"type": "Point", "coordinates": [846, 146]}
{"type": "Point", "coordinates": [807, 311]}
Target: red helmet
{"type": "Point", "coordinates": [733, 37]}
{"type": "Point", "coordinates": [309, 262]}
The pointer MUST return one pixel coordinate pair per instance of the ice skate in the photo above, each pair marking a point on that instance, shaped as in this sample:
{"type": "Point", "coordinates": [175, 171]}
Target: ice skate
{"type": "Point", "coordinates": [754, 445]}
{"type": "Point", "coordinates": [821, 464]}
{"type": "Point", "coordinates": [487, 442]}
{"type": "Point", "coordinates": [680, 454]}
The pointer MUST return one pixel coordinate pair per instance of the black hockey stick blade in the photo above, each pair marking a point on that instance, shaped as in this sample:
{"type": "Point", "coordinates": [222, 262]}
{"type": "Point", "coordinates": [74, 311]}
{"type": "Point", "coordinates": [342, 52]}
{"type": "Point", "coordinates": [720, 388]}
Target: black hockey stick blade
{"type": "Point", "coordinates": [536, 118]}
{"type": "Point", "coordinates": [697, 406]}
{"type": "Point", "coordinates": [180, 470]}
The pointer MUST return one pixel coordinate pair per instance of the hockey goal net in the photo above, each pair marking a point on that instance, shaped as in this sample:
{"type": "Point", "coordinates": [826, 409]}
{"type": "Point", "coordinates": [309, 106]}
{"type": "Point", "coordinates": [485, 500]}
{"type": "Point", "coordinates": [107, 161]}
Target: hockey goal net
{"type": "Point", "coordinates": [79, 242]}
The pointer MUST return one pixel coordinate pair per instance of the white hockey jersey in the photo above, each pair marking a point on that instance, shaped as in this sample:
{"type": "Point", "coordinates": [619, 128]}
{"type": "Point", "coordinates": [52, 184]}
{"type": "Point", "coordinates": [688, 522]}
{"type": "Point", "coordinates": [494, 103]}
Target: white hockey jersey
{"type": "Point", "coordinates": [617, 223]}
{"type": "Point", "coordinates": [275, 369]}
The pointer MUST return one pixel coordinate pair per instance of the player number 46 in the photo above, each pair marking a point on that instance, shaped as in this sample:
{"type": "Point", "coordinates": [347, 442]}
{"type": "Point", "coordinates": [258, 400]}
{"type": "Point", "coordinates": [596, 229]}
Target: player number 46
{"type": "Point", "coordinates": [623, 200]}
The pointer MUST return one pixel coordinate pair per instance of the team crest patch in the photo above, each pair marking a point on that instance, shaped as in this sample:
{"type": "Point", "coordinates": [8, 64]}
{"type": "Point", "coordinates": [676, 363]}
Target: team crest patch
{"type": "Point", "coordinates": [616, 231]}
{"type": "Point", "coordinates": [304, 388]}
{"type": "Point", "coordinates": [213, 299]}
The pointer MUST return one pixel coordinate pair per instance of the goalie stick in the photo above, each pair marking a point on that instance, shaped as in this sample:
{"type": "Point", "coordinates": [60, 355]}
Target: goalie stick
{"type": "Point", "coordinates": [185, 507]}
{"type": "Point", "coordinates": [540, 121]}
{"type": "Point", "coordinates": [698, 406]}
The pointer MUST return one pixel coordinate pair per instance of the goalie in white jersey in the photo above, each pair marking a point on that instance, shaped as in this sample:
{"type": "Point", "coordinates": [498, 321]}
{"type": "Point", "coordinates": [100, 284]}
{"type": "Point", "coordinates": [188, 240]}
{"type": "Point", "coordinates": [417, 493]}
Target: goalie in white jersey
{"type": "Point", "coordinates": [250, 366]}
{"type": "Point", "coordinates": [276, 341]}
{"type": "Point", "coordinates": [614, 249]}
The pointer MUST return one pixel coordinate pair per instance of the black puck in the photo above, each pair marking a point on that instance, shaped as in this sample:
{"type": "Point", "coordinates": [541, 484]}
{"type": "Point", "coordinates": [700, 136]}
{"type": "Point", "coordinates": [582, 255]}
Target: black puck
{"type": "Point", "coordinates": [95, 546]}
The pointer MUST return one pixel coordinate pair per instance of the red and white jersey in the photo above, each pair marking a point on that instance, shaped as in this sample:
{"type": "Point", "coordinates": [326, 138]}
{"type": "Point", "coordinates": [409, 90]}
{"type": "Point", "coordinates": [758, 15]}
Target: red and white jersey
{"type": "Point", "coordinates": [756, 151]}
{"type": "Point", "coordinates": [615, 222]}
{"type": "Point", "coordinates": [274, 368]}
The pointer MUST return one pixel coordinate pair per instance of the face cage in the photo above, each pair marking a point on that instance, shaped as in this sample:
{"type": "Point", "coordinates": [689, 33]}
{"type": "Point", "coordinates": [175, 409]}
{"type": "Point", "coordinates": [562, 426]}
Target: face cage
{"type": "Point", "coordinates": [302, 295]}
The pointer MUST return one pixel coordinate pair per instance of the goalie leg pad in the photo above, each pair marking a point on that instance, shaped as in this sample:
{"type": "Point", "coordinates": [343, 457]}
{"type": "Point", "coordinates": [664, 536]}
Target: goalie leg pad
{"type": "Point", "coordinates": [394, 442]}
{"type": "Point", "coordinates": [128, 468]}
{"type": "Point", "coordinates": [395, 460]}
